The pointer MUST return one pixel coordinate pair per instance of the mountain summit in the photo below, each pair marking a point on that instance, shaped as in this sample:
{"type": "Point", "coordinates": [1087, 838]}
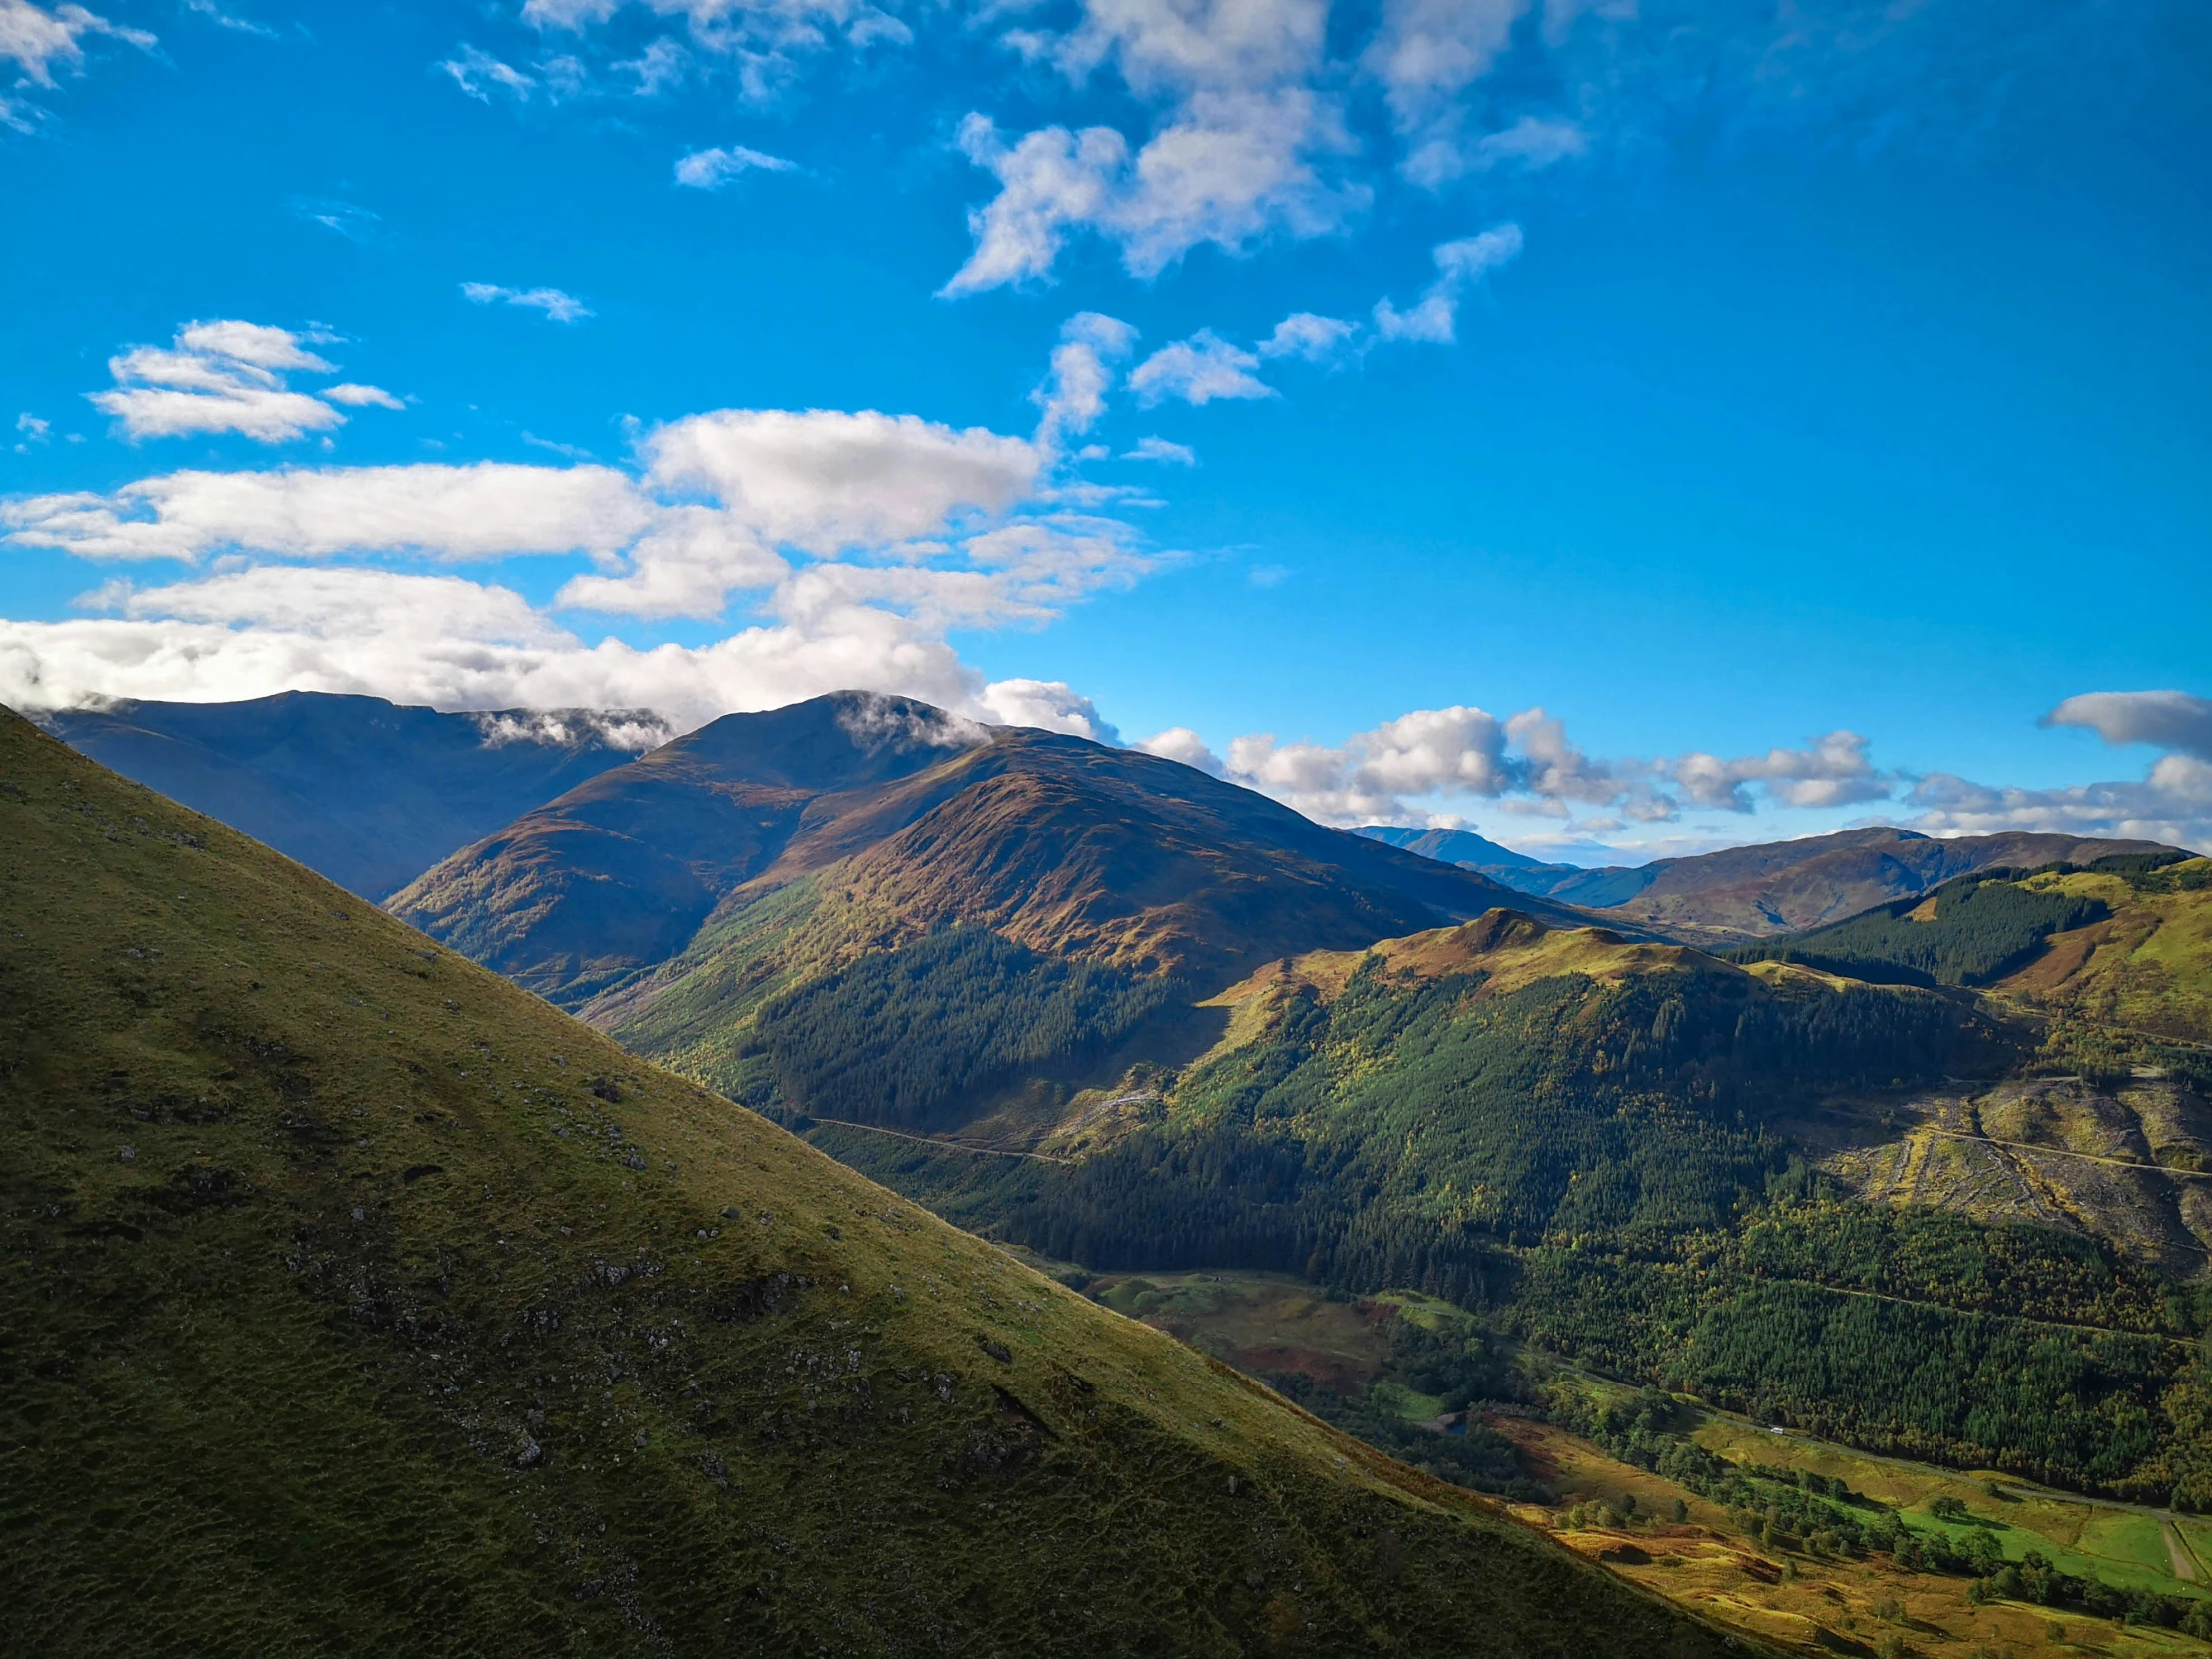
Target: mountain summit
{"type": "Point", "coordinates": [920, 819]}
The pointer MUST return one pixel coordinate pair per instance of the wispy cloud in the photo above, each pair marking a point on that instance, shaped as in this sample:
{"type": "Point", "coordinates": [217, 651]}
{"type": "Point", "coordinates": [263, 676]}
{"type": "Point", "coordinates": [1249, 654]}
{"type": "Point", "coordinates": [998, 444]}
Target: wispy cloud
{"type": "Point", "coordinates": [1461, 264]}
{"type": "Point", "coordinates": [712, 168]}
{"type": "Point", "coordinates": [347, 219]}
{"type": "Point", "coordinates": [558, 306]}
{"type": "Point", "coordinates": [227, 378]}
{"type": "Point", "coordinates": [1197, 371]}
{"type": "Point", "coordinates": [224, 20]}
{"type": "Point", "coordinates": [478, 74]}
{"type": "Point", "coordinates": [1161, 450]}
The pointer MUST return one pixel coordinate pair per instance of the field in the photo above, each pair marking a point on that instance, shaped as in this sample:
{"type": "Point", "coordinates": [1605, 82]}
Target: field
{"type": "Point", "coordinates": [1274, 1325]}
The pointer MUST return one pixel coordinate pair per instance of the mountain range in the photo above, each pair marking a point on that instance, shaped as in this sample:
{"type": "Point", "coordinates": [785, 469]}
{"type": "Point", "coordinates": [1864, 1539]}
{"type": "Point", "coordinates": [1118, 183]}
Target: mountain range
{"type": "Point", "coordinates": [1759, 891]}
{"type": "Point", "coordinates": [898, 820]}
{"type": "Point", "coordinates": [370, 794]}
{"type": "Point", "coordinates": [1926, 1177]}
{"type": "Point", "coordinates": [356, 1300]}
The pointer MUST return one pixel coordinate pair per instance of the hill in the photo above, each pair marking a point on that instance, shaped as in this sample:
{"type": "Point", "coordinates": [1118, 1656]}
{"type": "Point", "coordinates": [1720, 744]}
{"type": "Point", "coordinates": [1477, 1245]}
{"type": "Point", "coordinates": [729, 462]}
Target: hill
{"type": "Point", "coordinates": [1466, 849]}
{"type": "Point", "coordinates": [1788, 886]}
{"type": "Point", "coordinates": [369, 794]}
{"type": "Point", "coordinates": [1655, 1163]}
{"type": "Point", "coordinates": [353, 1299]}
{"type": "Point", "coordinates": [887, 818]}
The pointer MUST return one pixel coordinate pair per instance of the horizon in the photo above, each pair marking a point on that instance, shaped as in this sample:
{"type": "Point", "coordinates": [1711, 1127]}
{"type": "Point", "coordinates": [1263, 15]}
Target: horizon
{"type": "Point", "coordinates": [1622, 435]}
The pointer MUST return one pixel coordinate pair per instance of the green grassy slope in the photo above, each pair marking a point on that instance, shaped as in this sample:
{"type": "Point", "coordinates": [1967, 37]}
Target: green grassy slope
{"type": "Point", "coordinates": [355, 1300]}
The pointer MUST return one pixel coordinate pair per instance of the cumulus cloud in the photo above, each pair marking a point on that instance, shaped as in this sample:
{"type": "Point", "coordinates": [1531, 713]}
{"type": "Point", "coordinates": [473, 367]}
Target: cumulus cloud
{"type": "Point", "coordinates": [1197, 371]}
{"type": "Point", "coordinates": [226, 377]}
{"type": "Point", "coordinates": [1314, 339]}
{"type": "Point", "coordinates": [2173, 804]}
{"type": "Point", "coordinates": [450, 643]}
{"type": "Point", "coordinates": [482, 511]}
{"type": "Point", "coordinates": [1833, 771]}
{"type": "Point", "coordinates": [1180, 743]}
{"type": "Point", "coordinates": [1053, 704]}
{"type": "Point", "coordinates": [2165, 719]}
{"type": "Point", "coordinates": [1459, 263]}
{"type": "Point", "coordinates": [712, 168]}
{"type": "Point", "coordinates": [1241, 120]}
{"type": "Point", "coordinates": [1074, 396]}
{"type": "Point", "coordinates": [559, 307]}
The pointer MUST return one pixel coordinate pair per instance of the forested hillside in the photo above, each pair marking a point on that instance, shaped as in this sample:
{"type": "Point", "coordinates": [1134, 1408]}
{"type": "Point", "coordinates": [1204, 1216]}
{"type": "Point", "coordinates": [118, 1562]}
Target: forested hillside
{"type": "Point", "coordinates": [1600, 1146]}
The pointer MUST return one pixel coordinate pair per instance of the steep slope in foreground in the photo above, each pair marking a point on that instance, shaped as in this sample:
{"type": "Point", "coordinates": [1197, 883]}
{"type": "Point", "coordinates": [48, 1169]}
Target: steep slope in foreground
{"type": "Point", "coordinates": [370, 794]}
{"type": "Point", "coordinates": [353, 1299]}
{"type": "Point", "coordinates": [1784, 886]}
{"type": "Point", "coordinates": [919, 819]}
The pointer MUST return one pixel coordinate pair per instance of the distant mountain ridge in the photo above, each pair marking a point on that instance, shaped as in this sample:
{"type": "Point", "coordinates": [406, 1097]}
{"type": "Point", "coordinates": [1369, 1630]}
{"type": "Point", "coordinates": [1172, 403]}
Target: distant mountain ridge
{"type": "Point", "coordinates": [367, 793]}
{"type": "Point", "coordinates": [1775, 888]}
{"type": "Point", "coordinates": [921, 820]}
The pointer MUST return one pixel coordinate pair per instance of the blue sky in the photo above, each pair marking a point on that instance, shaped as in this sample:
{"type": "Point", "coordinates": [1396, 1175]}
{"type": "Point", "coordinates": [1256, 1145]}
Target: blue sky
{"type": "Point", "coordinates": [1617, 427]}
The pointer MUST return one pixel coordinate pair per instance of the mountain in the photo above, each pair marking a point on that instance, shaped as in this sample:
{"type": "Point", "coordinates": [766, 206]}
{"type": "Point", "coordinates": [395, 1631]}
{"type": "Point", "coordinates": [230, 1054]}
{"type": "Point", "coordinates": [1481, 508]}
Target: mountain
{"type": "Point", "coordinates": [888, 818]}
{"type": "Point", "coordinates": [367, 792]}
{"type": "Point", "coordinates": [1786, 887]}
{"type": "Point", "coordinates": [1461, 847]}
{"type": "Point", "coordinates": [355, 1299]}
{"type": "Point", "coordinates": [1919, 1221]}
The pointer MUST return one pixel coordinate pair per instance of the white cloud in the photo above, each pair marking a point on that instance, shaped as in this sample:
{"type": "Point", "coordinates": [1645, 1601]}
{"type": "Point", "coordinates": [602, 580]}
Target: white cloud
{"type": "Point", "coordinates": [362, 398]}
{"type": "Point", "coordinates": [1459, 263]}
{"type": "Point", "coordinates": [763, 40]}
{"type": "Point", "coordinates": [221, 19]}
{"type": "Point", "coordinates": [559, 307]}
{"type": "Point", "coordinates": [1053, 704]}
{"type": "Point", "coordinates": [1197, 371]}
{"type": "Point", "coordinates": [479, 74]}
{"type": "Point", "coordinates": [1075, 396]}
{"type": "Point", "coordinates": [712, 168]}
{"type": "Point", "coordinates": [821, 480]}
{"type": "Point", "coordinates": [36, 41]}
{"type": "Point", "coordinates": [1833, 771]}
{"type": "Point", "coordinates": [1161, 450]}
{"type": "Point", "coordinates": [1243, 113]}
{"type": "Point", "coordinates": [487, 510]}
{"type": "Point", "coordinates": [1427, 54]}
{"type": "Point", "coordinates": [2173, 804]}
{"type": "Point", "coordinates": [2165, 719]}
{"type": "Point", "coordinates": [662, 65]}
{"type": "Point", "coordinates": [1533, 142]}
{"type": "Point", "coordinates": [1315, 340]}
{"type": "Point", "coordinates": [452, 644]}
{"type": "Point", "coordinates": [225, 377]}
{"type": "Point", "coordinates": [1180, 743]}
{"type": "Point", "coordinates": [34, 430]}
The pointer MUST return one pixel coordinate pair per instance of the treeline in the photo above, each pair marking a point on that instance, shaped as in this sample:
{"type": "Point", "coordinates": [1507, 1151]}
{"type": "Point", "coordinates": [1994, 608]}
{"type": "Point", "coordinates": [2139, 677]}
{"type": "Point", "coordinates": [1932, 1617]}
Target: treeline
{"type": "Point", "coordinates": [1984, 926]}
{"type": "Point", "coordinates": [1790, 1509]}
{"type": "Point", "coordinates": [898, 1036]}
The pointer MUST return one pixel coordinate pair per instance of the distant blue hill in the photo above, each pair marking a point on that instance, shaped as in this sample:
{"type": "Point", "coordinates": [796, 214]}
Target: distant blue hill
{"type": "Point", "coordinates": [367, 792]}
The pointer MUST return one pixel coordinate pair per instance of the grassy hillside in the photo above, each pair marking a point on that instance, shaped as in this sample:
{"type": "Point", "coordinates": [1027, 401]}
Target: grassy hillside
{"type": "Point", "coordinates": [638, 886]}
{"type": "Point", "coordinates": [1606, 1146]}
{"type": "Point", "coordinates": [353, 1299]}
